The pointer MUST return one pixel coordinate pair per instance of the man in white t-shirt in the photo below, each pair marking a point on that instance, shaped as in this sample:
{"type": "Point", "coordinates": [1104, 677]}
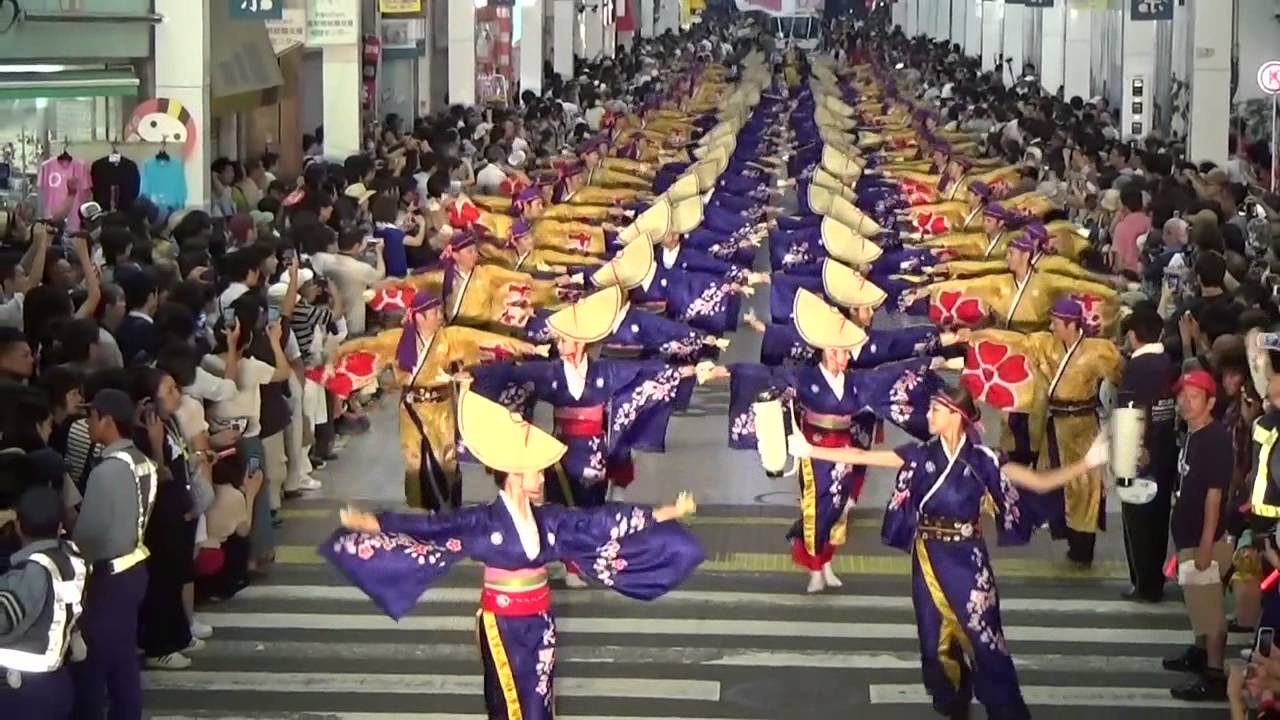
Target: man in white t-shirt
{"type": "Point", "coordinates": [353, 276]}
{"type": "Point", "coordinates": [490, 178]}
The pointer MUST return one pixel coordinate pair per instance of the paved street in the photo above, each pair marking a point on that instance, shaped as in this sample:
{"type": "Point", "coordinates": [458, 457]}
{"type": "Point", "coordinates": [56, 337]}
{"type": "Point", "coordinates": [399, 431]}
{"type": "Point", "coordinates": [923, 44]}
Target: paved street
{"type": "Point", "coordinates": [733, 643]}
{"type": "Point", "coordinates": [740, 640]}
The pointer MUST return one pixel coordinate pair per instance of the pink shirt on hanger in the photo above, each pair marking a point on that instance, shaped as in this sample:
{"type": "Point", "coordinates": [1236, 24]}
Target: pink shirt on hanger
{"type": "Point", "coordinates": [54, 182]}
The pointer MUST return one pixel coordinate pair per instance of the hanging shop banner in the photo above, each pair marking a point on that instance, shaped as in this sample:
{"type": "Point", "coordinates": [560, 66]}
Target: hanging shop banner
{"type": "Point", "coordinates": [400, 6]}
{"type": "Point", "coordinates": [1140, 10]}
{"type": "Point", "coordinates": [333, 22]}
{"type": "Point", "coordinates": [256, 9]}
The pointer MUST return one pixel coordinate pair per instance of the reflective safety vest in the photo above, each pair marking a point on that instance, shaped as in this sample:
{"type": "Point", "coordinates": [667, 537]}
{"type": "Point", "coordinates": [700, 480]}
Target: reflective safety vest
{"type": "Point", "coordinates": [44, 646]}
{"type": "Point", "coordinates": [1264, 499]}
{"type": "Point", "coordinates": [144, 470]}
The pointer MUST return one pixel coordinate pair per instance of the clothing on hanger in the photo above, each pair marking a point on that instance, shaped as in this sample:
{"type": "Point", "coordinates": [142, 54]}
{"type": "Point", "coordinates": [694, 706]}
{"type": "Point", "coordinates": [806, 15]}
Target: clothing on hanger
{"type": "Point", "coordinates": [57, 177]}
{"type": "Point", "coordinates": [164, 181]}
{"type": "Point", "coordinates": [116, 182]}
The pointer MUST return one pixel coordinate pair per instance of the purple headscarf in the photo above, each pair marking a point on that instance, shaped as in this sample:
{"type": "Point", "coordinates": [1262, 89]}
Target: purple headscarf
{"type": "Point", "coordinates": [407, 348]}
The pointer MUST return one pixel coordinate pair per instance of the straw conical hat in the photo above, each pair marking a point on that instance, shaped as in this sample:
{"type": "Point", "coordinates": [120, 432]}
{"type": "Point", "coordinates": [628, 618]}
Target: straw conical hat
{"type": "Point", "coordinates": [707, 174]}
{"type": "Point", "coordinates": [653, 221]}
{"type": "Point", "coordinates": [847, 246]}
{"type": "Point", "coordinates": [629, 267]}
{"type": "Point", "coordinates": [819, 199]}
{"type": "Point", "coordinates": [822, 326]}
{"type": "Point", "coordinates": [848, 287]}
{"type": "Point", "coordinates": [849, 214]}
{"type": "Point", "coordinates": [685, 187]}
{"type": "Point", "coordinates": [589, 320]}
{"type": "Point", "coordinates": [502, 440]}
{"type": "Point", "coordinates": [686, 215]}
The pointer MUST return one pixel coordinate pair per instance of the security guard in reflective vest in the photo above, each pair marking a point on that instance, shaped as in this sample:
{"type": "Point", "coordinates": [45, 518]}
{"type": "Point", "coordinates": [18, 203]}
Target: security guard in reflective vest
{"type": "Point", "coordinates": [118, 497]}
{"type": "Point", "coordinates": [40, 601]}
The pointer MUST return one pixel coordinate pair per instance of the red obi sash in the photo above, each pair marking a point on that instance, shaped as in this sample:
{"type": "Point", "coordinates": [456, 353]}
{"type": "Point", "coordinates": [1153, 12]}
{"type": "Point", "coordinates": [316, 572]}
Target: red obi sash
{"type": "Point", "coordinates": [829, 431]}
{"type": "Point", "coordinates": [515, 593]}
{"type": "Point", "coordinates": [579, 421]}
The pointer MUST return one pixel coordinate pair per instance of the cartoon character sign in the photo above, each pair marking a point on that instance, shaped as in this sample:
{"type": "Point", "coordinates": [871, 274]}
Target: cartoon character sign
{"type": "Point", "coordinates": [162, 120]}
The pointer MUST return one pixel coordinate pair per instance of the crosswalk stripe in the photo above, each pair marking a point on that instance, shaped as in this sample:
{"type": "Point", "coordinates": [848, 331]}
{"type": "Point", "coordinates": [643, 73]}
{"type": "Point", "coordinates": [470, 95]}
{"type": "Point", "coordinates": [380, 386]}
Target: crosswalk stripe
{"type": "Point", "coordinates": [682, 656]}
{"type": "Point", "coordinates": [849, 564]}
{"type": "Point", "coordinates": [420, 684]}
{"type": "Point", "coordinates": [344, 593]}
{"type": "Point", "coordinates": [1049, 696]}
{"type": "Point", "coordinates": [692, 627]}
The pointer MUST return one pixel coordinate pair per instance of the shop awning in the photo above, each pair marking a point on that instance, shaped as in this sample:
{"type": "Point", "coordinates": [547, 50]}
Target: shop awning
{"type": "Point", "coordinates": [67, 84]}
{"type": "Point", "coordinates": [244, 71]}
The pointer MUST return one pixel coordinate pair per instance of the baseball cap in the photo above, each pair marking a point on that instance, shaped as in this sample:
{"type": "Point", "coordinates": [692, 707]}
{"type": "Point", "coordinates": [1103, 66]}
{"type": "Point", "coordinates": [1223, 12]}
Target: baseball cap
{"type": "Point", "coordinates": [115, 404]}
{"type": "Point", "coordinates": [1197, 379]}
{"type": "Point", "coordinates": [91, 211]}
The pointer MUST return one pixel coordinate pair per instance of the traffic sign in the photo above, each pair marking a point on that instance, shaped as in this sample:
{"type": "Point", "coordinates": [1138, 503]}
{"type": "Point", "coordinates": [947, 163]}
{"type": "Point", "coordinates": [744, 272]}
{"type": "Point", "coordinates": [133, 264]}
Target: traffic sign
{"type": "Point", "coordinates": [1269, 77]}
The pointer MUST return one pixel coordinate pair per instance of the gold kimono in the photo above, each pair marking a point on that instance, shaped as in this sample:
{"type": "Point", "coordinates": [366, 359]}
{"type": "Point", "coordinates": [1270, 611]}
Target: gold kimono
{"type": "Point", "coordinates": [539, 259]}
{"type": "Point", "coordinates": [611, 176]}
{"type": "Point", "coordinates": [1064, 417]}
{"type": "Point", "coordinates": [1046, 263]}
{"type": "Point", "coordinates": [957, 216]}
{"type": "Point", "coordinates": [428, 425]}
{"type": "Point", "coordinates": [490, 297]}
{"type": "Point", "coordinates": [570, 211]}
{"type": "Point", "coordinates": [977, 245]}
{"type": "Point", "coordinates": [595, 195]}
{"type": "Point", "coordinates": [1033, 203]}
{"type": "Point", "coordinates": [1025, 307]}
{"type": "Point", "coordinates": [1002, 180]}
{"type": "Point", "coordinates": [570, 236]}
{"type": "Point", "coordinates": [492, 203]}
{"type": "Point", "coordinates": [496, 224]}
{"type": "Point", "coordinates": [634, 168]}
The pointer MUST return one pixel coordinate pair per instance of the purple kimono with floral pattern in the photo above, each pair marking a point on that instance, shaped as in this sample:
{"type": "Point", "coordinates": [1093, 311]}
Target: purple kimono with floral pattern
{"type": "Point", "coordinates": [620, 547]}
{"type": "Point", "coordinates": [897, 392]}
{"type": "Point", "coordinates": [634, 399]}
{"type": "Point", "coordinates": [935, 514]}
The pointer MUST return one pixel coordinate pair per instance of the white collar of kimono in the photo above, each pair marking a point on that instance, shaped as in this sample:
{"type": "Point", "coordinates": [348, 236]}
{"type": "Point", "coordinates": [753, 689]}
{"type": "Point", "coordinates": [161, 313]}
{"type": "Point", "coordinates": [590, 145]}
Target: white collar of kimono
{"type": "Point", "coordinates": [526, 527]}
{"type": "Point", "coordinates": [1154, 348]}
{"type": "Point", "coordinates": [991, 244]}
{"type": "Point", "coordinates": [424, 347]}
{"type": "Point", "coordinates": [835, 382]}
{"type": "Point", "coordinates": [622, 316]}
{"type": "Point", "coordinates": [648, 277]}
{"type": "Point", "coordinates": [669, 256]}
{"type": "Point", "coordinates": [942, 476]}
{"type": "Point", "coordinates": [575, 376]}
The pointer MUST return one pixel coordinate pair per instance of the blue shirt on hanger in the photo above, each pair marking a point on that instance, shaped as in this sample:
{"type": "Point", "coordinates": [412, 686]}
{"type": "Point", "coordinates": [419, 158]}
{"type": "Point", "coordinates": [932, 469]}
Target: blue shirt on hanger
{"type": "Point", "coordinates": [165, 182]}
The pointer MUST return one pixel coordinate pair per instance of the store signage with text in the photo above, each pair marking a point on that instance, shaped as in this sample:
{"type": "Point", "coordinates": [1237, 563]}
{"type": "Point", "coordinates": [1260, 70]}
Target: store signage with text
{"type": "Point", "coordinates": [1151, 10]}
{"type": "Point", "coordinates": [333, 22]}
{"type": "Point", "coordinates": [400, 6]}
{"type": "Point", "coordinates": [256, 9]}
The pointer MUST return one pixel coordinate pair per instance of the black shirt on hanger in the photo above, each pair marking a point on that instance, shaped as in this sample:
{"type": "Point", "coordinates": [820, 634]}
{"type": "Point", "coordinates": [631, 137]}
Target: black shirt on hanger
{"type": "Point", "coordinates": [115, 184]}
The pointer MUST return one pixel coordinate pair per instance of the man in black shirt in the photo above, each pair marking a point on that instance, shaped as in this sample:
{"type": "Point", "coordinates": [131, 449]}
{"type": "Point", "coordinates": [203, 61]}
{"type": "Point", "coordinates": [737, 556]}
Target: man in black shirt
{"type": "Point", "coordinates": [1147, 383]}
{"type": "Point", "coordinates": [1204, 471]}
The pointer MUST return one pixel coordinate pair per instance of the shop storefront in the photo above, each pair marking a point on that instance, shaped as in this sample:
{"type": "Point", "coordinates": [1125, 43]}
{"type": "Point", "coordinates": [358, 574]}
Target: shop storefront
{"type": "Point", "coordinates": [68, 86]}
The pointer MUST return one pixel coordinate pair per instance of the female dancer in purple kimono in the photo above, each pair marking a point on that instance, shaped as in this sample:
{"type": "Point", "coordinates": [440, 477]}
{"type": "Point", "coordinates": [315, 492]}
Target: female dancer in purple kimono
{"type": "Point", "coordinates": [834, 408]}
{"type": "Point", "coordinates": [603, 409]}
{"type": "Point", "coordinates": [394, 557]}
{"type": "Point", "coordinates": [859, 298]}
{"type": "Point", "coordinates": [934, 515]}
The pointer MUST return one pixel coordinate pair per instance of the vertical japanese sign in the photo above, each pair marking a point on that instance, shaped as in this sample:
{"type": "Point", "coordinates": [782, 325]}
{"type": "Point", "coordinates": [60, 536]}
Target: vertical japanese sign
{"type": "Point", "coordinates": [1142, 10]}
{"type": "Point", "coordinates": [333, 22]}
{"type": "Point", "coordinates": [256, 9]}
